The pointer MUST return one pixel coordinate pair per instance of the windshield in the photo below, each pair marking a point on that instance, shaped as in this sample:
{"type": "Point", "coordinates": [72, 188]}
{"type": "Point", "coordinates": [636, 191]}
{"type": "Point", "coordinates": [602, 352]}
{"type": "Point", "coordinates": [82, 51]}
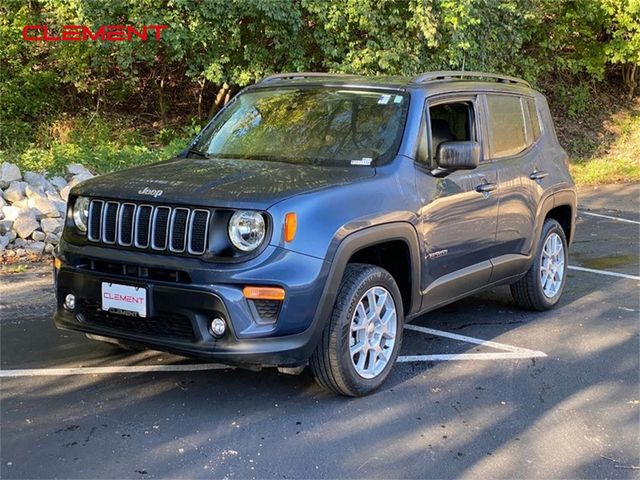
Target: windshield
{"type": "Point", "coordinates": [308, 126]}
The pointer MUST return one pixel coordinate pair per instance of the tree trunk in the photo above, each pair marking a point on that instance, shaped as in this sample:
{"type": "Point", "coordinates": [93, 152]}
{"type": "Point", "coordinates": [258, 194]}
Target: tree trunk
{"type": "Point", "coordinates": [629, 77]}
{"type": "Point", "coordinates": [203, 84]}
{"type": "Point", "coordinates": [162, 98]}
{"type": "Point", "coordinates": [221, 99]}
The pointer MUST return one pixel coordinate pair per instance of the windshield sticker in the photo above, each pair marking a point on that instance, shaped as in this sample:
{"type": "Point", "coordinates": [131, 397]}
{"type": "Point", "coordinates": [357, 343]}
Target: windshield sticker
{"type": "Point", "coordinates": [363, 161]}
{"type": "Point", "coordinates": [398, 99]}
{"type": "Point", "coordinates": [384, 99]}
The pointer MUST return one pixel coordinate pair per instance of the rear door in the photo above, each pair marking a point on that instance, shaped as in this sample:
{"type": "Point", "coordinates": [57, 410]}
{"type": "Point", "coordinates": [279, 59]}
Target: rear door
{"type": "Point", "coordinates": [458, 216]}
{"type": "Point", "coordinates": [513, 133]}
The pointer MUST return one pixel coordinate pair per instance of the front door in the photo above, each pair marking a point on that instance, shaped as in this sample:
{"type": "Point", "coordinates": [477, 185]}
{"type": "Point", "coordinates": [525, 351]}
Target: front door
{"type": "Point", "coordinates": [458, 217]}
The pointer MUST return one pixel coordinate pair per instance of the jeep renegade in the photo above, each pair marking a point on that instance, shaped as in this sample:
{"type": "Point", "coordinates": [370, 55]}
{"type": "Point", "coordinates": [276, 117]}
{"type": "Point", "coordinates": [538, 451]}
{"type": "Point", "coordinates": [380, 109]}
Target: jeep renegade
{"type": "Point", "coordinates": [316, 214]}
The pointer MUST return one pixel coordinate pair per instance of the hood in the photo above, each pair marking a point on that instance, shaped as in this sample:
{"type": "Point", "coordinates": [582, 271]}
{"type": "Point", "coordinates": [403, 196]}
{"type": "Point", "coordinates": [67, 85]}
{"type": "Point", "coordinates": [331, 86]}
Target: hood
{"type": "Point", "coordinates": [219, 182]}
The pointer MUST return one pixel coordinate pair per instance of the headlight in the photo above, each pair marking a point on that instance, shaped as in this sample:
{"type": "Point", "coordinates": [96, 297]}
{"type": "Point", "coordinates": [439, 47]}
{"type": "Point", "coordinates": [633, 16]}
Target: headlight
{"type": "Point", "coordinates": [81, 213]}
{"type": "Point", "coordinates": [246, 230]}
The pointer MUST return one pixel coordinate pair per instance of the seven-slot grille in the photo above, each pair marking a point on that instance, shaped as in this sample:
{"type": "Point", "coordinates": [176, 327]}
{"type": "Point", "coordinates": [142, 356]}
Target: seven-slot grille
{"type": "Point", "coordinates": [145, 226]}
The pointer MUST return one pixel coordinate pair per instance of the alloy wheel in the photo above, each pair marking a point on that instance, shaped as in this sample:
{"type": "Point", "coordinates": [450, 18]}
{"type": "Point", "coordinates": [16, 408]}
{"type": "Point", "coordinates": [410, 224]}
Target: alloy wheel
{"type": "Point", "coordinates": [552, 265]}
{"type": "Point", "coordinates": [373, 332]}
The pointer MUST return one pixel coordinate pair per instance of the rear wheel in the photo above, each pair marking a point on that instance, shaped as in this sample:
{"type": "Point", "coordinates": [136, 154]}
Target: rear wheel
{"type": "Point", "coordinates": [361, 342]}
{"type": "Point", "coordinates": [540, 289]}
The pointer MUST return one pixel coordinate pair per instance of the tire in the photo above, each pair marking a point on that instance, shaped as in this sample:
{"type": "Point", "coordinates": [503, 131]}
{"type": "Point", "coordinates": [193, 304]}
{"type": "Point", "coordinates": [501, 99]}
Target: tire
{"type": "Point", "coordinates": [332, 364]}
{"type": "Point", "coordinates": [531, 292]}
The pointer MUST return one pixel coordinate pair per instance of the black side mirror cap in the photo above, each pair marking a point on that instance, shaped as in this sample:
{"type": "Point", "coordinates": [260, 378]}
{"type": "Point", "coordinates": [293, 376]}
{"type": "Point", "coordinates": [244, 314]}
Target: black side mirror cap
{"type": "Point", "coordinates": [458, 155]}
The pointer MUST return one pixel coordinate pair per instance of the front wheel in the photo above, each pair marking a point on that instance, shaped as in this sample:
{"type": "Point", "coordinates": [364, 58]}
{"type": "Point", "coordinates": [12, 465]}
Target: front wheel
{"type": "Point", "coordinates": [361, 342]}
{"type": "Point", "coordinates": [540, 289]}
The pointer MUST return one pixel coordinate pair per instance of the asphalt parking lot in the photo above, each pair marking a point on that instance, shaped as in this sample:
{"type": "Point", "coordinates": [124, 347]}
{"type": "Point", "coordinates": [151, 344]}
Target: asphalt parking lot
{"type": "Point", "coordinates": [555, 395]}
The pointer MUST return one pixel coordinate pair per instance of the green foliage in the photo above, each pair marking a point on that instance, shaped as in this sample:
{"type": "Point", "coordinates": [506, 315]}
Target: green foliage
{"type": "Point", "coordinates": [28, 92]}
{"type": "Point", "coordinates": [617, 155]}
{"type": "Point", "coordinates": [564, 47]}
{"type": "Point", "coordinates": [576, 98]}
{"type": "Point", "coordinates": [101, 158]}
{"type": "Point", "coordinates": [100, 145]}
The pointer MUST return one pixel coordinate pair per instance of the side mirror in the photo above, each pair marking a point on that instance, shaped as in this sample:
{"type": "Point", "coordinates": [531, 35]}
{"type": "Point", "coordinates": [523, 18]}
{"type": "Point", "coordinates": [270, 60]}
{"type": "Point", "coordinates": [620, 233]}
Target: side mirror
{"type": "Point", "coordinates": [463, 155]}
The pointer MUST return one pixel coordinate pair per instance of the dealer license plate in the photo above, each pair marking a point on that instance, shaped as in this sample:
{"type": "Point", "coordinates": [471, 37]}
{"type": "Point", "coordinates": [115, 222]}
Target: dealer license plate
{"type": "Point", "coordinates": [124, 299]}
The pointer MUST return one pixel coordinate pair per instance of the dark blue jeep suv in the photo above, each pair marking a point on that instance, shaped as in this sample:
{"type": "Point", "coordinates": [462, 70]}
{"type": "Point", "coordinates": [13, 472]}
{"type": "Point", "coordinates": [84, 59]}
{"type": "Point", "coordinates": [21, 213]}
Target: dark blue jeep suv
{"type": "Point", "coordinates": [315, 215]}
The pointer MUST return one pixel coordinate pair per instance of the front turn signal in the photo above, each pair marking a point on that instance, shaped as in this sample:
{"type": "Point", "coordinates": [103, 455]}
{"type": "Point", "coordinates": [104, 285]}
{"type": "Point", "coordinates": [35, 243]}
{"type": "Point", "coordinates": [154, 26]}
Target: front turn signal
{"type": "Point", "coordinates": [290, 226]}
{"type": "Point", "coordinates": [263, 293]}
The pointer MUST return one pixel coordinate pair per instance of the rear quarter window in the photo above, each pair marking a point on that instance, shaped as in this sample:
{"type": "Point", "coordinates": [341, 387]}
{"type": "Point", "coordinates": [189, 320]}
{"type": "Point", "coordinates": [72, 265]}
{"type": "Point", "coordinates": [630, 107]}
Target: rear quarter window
{"type": "Point", "coordinates": [534, 121]}
{"type": "Point", "coordinates": [506, 125]}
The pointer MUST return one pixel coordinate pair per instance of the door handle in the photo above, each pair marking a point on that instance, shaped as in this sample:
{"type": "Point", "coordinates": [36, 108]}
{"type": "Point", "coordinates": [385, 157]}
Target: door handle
{"type": "Point", "coordinates": [538, 175]}
{"type": "Point", "coordinates": [486, 187]}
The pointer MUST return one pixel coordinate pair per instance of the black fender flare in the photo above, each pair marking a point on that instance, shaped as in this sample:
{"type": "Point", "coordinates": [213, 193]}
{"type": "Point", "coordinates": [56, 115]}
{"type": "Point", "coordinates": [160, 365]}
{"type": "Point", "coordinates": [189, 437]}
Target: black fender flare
{"type": "Point", "coordinates": [555, 199]}
{"type": "Point", "coordinates": [567, 197]}
{"type": "Point", "coordinates": [367, 237]}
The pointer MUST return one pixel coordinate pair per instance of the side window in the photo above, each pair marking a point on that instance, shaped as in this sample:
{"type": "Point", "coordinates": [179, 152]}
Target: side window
{"type": "Point", "coordinates": [450, 122]}
{"type": "Point", "coordinates": [534, 121]}
{"type": "Point", "coordinates": [506, 125]}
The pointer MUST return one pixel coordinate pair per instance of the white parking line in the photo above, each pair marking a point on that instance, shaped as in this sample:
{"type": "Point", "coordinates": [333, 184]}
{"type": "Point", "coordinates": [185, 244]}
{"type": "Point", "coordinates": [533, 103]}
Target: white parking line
{"type": "Point", "coordinates": [609, 217]}
{"type": "Point", "coordinates": [509, 351]}
{"type": "Point", "coordinates": [38, 372]}
{"type": "Point", "coordinates": [604, 272]}
{"type": "Point", "coordinates": [445, 357]}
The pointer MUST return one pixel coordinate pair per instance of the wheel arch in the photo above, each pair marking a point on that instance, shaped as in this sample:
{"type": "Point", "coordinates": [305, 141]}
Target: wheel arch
{"type": "Point", "coordinates": [561, 206]}
{"type": "Point", "coordinates": [364, 245]}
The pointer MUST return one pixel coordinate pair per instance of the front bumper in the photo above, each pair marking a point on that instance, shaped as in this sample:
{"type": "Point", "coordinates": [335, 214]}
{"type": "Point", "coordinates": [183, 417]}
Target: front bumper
{"type": "Point", "coordinates": [179, 312]}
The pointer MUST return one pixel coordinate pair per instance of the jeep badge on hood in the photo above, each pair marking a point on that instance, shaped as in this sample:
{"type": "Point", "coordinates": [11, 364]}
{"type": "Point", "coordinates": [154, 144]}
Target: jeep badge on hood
{"type": "Point", "coordinates": [149, 191]}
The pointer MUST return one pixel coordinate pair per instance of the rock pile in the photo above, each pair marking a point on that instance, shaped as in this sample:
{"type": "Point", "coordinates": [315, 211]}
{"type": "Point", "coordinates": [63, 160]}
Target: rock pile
{"type": "Point", "coordinates": [33, 207]}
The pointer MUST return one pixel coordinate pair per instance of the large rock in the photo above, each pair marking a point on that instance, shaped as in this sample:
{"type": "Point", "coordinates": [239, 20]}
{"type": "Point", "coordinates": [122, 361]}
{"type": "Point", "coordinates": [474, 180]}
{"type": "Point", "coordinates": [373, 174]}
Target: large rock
{"type": "Point", "coordinates": [15, 192]}
{"type": "Point", "coordinates": [5, 226]}
{"type": "Point", "coordinates": [22, 204]}
{"type": "Point", "coordinates": [36, 180]}
{"type": "Point", "coordinates": [57, 200]}
{"type": "Point", "coordinates": [9, 173]}
{"type": "Point", "coordinates": [35, 247]}
{"type": "Point", "coordinates": [11, 212]}
{"type": "Point", "coordinates": [77, 169]}
{"type": "Point", "coordinates": [34, 191]}
{"type": "Point", "coordinates": [51, 225]}
{"type": "Point", "coordinates": [52, 238]}
{"type": "Point", "coordinates": [45, 206]}
{"type": "Point", "coordinates": [64, 193]}
{"type": "Point", "coordinates": [24, 226]}
{"type": "Point", "coordinates": [3, 202]}
{"type": "Point", "coordinates": [58, 182]}
{"type": "Point", "coordinates": [7, 238]}
{"type": "Point", "coordinates": [76, 179]}
{"type": "Point", "coordinates": [38, 236]}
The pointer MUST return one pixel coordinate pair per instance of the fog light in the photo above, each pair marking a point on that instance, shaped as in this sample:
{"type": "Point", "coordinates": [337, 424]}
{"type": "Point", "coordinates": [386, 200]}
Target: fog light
{"type": "Point", "coordinates": [70, 302]}
{"type": "Point", "coordinates": [217, 327]}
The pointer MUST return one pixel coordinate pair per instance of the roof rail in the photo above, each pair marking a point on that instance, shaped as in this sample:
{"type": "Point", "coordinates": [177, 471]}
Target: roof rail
{"type": "Point", "coordinates": [301, 75]}
{"type": "Point", "coordinates": [444, 75]}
